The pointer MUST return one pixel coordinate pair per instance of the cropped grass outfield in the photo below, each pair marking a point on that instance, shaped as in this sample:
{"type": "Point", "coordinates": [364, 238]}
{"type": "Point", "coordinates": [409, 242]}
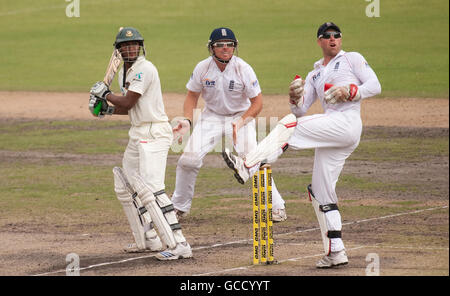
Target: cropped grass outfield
{"type": "Point", "coordinates": [56, 175]}
{"type": "Point", "coordinates": [44, 50]}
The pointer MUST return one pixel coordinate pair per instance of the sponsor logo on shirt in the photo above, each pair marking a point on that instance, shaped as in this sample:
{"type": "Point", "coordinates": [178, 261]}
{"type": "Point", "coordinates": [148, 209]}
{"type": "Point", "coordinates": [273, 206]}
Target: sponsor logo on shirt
{"type": "Point", "coordinates": [336, 66]}
{"type": "Point", "coordinates": [255, 83]}
{"type": "Point", "coordinates": [138, 76]}
{"type": "Point", "coordinates": [316, 76]}
{"type": "Point", "coordinates": [231, 85]}
{"type": "Point", "coordinates": [209, 83]}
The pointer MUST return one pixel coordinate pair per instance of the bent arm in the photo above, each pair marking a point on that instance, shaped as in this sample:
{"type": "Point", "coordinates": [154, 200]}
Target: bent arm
{"type": "Point", "coordinates": [255, 108]}
{"type": "Point", "coordinates": [123, 103]}
{"type": "Point", "coordinates": [309, 97]}
{"type": "Point", "coordinates": [370, 85]}
{"type": "Point", "coordinates": [190, 103]}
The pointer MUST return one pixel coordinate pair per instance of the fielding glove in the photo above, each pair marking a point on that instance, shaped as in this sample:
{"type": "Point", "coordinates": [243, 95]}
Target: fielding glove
{"type": "Point", "coordinates": [296, 89]}
{"type": "Point", "coordinates": [339, 94]}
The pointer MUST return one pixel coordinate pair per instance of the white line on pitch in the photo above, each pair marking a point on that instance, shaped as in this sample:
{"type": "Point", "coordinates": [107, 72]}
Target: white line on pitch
{"type": "Point", "coordinates": [245, 241]}
{"type": "Point", "coordinates": [99, 264]}
{"type": "Point", "coordinates": [278, 261]}
{"type": "Point", "coordinates": [409, 247]}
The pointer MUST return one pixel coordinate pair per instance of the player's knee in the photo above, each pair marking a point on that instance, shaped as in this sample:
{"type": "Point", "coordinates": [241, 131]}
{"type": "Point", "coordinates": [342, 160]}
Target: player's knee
{"type": "Point", "coordinates": [190, 160]}
{"type": "Point", "coordinates": [351, 140]}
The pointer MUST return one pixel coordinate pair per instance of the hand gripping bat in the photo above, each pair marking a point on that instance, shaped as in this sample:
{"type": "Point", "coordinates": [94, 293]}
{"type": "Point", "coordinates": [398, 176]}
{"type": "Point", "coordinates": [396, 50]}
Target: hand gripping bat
{"type": "Point", "coordinates": [111, 70]}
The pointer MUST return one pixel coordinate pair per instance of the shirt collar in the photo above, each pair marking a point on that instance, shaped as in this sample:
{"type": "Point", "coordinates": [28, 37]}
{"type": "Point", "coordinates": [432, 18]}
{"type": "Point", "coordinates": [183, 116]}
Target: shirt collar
{"type": "Point", "coordinates": [138, 61]}
{"type": "Point", "coordinates": [320, 62]}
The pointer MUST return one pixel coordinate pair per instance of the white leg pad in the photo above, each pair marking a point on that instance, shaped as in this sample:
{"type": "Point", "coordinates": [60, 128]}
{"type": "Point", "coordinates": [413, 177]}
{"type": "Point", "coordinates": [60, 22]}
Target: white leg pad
{"type": "Point", "coordinates": [166, 206]}
{"type": "Point", "coordinates": [329, 223]}
{"type": "Point", "coordinates": [275, 140]}
{"type": "Point", "coordinates": [161, 211]}
{"type": "Point", "coordinates": [130, 206]}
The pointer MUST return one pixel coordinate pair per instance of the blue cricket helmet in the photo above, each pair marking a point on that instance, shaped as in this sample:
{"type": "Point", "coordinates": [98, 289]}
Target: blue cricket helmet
{"type": "Point", "coordinates": [221, 34]}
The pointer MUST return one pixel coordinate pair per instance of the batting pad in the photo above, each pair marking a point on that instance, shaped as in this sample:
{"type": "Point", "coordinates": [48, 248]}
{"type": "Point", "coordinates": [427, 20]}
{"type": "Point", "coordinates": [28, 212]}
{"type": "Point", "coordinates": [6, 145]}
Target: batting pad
{"type": "Point", "coordinates": [161, 211]}
{"type": "Point", "coordinates": [274, 141]}
{"type": "Point", "coordinates": [130, 205]}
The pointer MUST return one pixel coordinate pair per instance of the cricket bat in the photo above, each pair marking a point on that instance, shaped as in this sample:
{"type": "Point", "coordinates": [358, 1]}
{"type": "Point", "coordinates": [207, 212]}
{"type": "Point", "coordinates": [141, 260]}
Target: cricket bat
{"type": "Point", "coordinates": [113, 66]}
{"type": "Point", "coordinates": [111, 70]}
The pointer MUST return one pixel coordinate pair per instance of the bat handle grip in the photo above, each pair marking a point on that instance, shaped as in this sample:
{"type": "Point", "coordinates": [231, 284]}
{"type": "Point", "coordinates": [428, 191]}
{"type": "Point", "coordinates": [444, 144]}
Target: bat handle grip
{"type": "Point", "coordinates": [97, 109]}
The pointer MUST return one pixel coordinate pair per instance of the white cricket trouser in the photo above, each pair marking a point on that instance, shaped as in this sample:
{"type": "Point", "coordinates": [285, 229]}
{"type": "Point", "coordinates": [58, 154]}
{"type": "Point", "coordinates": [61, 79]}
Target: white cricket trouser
{"type": "Point", "coordinates": [146, 153]}
{"type": "Point", "coordinates": [334, 136]}
{"type": "Point", "coordinates": [206, 135]}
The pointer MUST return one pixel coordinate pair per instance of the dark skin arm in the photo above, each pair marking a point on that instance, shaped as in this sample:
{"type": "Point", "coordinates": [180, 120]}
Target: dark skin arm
{"type": "Point", "coordinates": [123, 103]}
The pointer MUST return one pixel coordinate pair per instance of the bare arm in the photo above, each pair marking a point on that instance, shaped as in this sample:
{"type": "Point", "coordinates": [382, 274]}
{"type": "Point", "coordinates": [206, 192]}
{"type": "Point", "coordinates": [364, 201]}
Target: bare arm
{"type": "Point", "coordinates": [255, 108]}
{"type": "Point", "coordinates": [251, 113]}
{"type": "Point", "coordinates": [190, 103]}
{"type": "Point", "coordinates": [123, 103]}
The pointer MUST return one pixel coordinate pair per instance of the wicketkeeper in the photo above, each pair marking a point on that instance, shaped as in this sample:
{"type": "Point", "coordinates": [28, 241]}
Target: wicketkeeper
{"type": "Point", "coordinates": [340, 80]}
{"type": "Point", "coordinates": [140, 184]}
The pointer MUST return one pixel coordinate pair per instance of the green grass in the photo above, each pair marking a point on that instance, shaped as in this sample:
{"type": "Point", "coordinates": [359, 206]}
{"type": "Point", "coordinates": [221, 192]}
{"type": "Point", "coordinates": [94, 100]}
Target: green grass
{"type": "Point", "coordinates": [60, 195]}
{"type": "Point", "coordinates": [44, 50]}
{"type": "Point", "coordinates": [400, 149]}
{"type": "Point", "coordinates": [35, 193]}
{"type": "Point", "coordinates": [369, 185]}
{"type": "Point", "coordinates": [84, 137]}
{"type": "Point", "coordinates": [54, 189]}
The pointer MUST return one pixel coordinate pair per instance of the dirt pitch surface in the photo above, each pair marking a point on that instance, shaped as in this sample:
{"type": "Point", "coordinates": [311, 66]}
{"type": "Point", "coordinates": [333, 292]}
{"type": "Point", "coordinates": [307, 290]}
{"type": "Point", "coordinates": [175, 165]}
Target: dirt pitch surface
{"type": "Point", "coordinates": [421, 250]}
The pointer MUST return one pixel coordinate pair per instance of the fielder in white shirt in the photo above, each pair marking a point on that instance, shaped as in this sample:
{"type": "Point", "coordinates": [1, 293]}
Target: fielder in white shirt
{"type": "Point", "coordinates": [233, 99]}
{"type": "Point", "coordinates": [140, 184]}
{"type": "Point", "coordinates": [340, 80]}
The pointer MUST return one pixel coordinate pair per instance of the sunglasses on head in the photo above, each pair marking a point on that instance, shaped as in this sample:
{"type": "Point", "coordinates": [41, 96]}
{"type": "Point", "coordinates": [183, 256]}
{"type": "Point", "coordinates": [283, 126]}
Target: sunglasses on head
{"type": "Point", "coordinates": [222, 44]}
{"type": "Point", "coordinates": [327, 35]}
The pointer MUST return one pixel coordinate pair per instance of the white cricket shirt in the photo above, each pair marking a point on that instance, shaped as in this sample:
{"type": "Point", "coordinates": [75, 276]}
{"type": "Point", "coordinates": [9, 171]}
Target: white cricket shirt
{"type": "Point", "coordinates": [227, 92]}
{"type": "Point", "coordinates": [143, 79]}
{"type": "Point", "coordinates": [344, 69]}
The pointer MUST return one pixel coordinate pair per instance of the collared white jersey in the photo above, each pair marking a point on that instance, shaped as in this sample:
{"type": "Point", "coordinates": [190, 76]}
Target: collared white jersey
{"type": "Point", "coordinates": [143, 79]}
{"type": "Point", "coordinates": [344, 69]}
{"type": "Point", "coordinates": [227, 92]}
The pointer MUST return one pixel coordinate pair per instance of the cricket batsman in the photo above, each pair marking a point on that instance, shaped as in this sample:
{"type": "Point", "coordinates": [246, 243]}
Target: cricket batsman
{"type": "Point", "coordinates": [140, 184]}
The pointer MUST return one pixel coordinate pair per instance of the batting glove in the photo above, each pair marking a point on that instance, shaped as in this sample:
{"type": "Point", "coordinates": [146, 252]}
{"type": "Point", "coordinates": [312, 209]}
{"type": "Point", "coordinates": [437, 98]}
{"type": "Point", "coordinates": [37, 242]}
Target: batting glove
{"type": "Point", "coordinates": [99, 107]}
{"type": "Point", "coordinates": [296, 89]}
{"type": "Point", "coordinates": [339, 94]}
{"type": "Point", "coordinates": [100, 89]}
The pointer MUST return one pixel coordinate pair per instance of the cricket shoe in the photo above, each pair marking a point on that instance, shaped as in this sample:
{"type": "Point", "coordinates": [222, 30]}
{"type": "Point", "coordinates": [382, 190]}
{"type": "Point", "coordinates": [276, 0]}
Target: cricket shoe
{"type": "Point", "coordinates": [332, 260]}
{"type": "Point", "coordinates": [237, 165]}
{"type": "Point", "coordinates": [279, 215]}
{"type": "Point", "coordinates": [181, 251]}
